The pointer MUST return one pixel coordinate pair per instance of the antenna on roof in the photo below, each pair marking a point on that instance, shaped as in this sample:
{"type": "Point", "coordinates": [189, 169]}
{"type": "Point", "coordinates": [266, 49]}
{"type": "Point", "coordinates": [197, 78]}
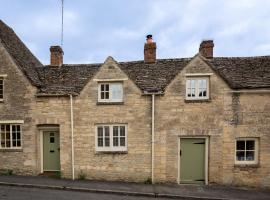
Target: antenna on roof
{"type": "Point", "coordinates": [62, 25]}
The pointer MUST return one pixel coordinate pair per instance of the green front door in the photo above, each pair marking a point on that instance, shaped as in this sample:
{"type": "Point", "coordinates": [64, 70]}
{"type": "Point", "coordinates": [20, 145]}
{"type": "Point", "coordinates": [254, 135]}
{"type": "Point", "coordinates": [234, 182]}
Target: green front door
{"type": "Point", "coordinates": [51, 151]}
{"type": "Point", "coordinates": [192, 160]}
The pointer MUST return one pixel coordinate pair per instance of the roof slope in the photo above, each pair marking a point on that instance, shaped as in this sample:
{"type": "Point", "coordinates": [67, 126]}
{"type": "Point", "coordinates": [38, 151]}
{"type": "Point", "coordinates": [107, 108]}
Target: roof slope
{"type": "Point", "coordinates": [153, 77]}
{"type": "Point", "coordinates": [23, 57]}
{"type": "Point", "coordinates": [68, 79]}
{"type": "Point", "coordinates": [243, 72]}
{"type": "Point", "coordinates": [71, 79]}
{"type": "Point", "coordinates": [238, 72]}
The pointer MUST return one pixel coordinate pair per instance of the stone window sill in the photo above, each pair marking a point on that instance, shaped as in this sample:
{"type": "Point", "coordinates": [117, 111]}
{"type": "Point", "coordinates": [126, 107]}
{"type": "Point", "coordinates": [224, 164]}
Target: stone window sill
{"type": "Point", "coordinates": [197, 100]}
{"type": "Point", "coordinates": [110, 152]}
{"type": "Point", "coordinates": [1, 100]}
{"type": "Point", "coordinates": [11, 150]}
{"type": "Point", "coordinates": [110, 103]}
{"type": "Point", "coordinates": [246, 166]}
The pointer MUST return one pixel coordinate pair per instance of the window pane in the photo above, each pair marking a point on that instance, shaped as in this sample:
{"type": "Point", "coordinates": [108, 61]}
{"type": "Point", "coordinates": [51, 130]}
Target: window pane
{"type": "Point", "coordinates": [107, 141]}
{"type": "Point", "coordinates": [240, 145]}
{"type": "Point", "coordinates": [107, 131]}
{"type": "Point", "coordinates": [115, 131]}
{"type": "Point", "coordinates": [122, 141]}
{"type": "Point", "coordinates": [100, 131]}
{"type": "Point", "coordinates": [115, 141]}
{"type": "Point", "coordinates": [250, 145]}
{"type": "Point", "coordinates": [107, 136]}
{"type": "Point", "coordinates": [102, 95]}
{"type": "Point", "coordinates": [100, 142]}
{"type": "Point", "coordinates": [240, 155]}
{"type": "Point", "coordinates": [1, 88]}
{"type": "Point", "coordinates": [8, 139]}
{"type": "Point", "coordinates": [117, 91]}
{"type": "Point", "coordinates": [3, 140]}
{"type": "Point", "coordinates": [107, 87]}
{"type": "Point", "coordinates": [122, 131]}
{"type": "Point", "coordinates": [250, 155]}
{"type": "Point", "coordinates": [18, 136]}
{"type": "Point", "coordinates": [202, 88]}
{"type": "Point", "coordinates": [107, 96]}
{"type": "Point", "coordinates": [102, 87]}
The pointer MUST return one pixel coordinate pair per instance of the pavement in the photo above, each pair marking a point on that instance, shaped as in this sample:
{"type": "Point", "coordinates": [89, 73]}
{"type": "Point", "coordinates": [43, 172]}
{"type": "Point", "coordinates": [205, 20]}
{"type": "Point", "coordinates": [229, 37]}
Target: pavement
{"type": "Point", "coordinates": [212, 192]}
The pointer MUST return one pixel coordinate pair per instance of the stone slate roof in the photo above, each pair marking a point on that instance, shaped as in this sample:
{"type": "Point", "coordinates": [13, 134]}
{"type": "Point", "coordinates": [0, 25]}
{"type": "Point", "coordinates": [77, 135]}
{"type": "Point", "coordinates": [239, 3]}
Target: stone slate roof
{"type": "Point", "coordinates": [22, 56]}
{"type": "Point", "coordinates": [68, 79]}
{"type": "Point", "coordinates": [153, 77]}
{"type": "Point", "coordinates": [243, 72]}
{"type": "Point", "coordinates": [238, 72]}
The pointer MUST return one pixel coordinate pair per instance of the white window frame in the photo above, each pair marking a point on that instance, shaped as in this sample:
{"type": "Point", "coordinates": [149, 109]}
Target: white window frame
{"type": "Point", "coordinates": [111, 148]}
{"type": "Point", "coordinates": [110, 92]}
{"type": "Point", "coordinates": [196, 79]}
{"type": "Point", "coordinates": [256, 151]}
{"type": "Point", "coordinates": [11, 136]}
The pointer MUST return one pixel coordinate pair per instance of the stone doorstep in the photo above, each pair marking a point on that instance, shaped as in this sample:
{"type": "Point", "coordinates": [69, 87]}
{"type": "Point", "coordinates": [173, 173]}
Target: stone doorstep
{"type": "Point", "coordinates": [117, 192]}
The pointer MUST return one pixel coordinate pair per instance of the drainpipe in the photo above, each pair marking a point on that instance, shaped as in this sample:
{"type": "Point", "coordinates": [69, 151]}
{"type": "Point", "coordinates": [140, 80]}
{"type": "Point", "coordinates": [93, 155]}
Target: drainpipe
{"type": "Point", "coordinates": [153, 138]}
{"type": "Point", "coordinates": [72, 133]}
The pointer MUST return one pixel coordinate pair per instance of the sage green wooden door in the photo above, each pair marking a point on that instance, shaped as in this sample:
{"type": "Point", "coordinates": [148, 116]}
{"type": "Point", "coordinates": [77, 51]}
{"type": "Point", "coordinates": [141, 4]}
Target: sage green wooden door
{"type": "Point", "coordinates": [192, 160]}
{"type": "Point", "coordinates": [51, 151]}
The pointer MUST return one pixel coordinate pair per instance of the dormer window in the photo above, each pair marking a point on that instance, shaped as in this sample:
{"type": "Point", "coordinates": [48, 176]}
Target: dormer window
{"type": "Point", "coordinates": [197, 88]}
{"type": "Point", "coordinates": [110, 92]}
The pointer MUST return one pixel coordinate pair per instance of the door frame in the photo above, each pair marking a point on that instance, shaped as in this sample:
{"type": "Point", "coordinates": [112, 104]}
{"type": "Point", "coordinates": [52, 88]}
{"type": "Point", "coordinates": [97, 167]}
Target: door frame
{"type": "Point", "coordinates": [41, 145]}
{"type": "Point", "coordinates": [206, 156]}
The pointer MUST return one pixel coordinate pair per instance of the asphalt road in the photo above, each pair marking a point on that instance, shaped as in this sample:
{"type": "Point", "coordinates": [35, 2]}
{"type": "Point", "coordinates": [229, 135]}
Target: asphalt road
{"type": "Point", "coordinates": [21, 193]}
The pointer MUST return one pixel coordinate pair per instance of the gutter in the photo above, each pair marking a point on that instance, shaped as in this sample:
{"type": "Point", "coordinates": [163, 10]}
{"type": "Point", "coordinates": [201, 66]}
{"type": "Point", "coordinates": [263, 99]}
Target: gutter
{"type": "Point", "coordinates": [72, 135]}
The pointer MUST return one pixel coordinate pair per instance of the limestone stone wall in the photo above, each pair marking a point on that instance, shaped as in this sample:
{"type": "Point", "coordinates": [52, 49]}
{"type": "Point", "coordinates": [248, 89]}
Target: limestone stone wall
{"type": "Point", "coordinates": [248, 116]}
{"type": "Point", "coordinates": [177, 117]}
{"type": "Point", "coordinates": [55, 111]}
{"type": "Point", "coordinates": [135, 112]}
{"type": "Point", "coordinates": [18, 104]}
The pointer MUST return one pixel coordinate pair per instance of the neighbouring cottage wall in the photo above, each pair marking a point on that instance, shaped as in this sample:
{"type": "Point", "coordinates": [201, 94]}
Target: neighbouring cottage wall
{"type": "Point", "coordinates": [18, 104]}
{"type": "Point", "coordinates": [248, 116]}
{"type": "Point", "coordinates": [55, 110]}
{"type": "Point", "coordinates": [133, 165]}
{"type": "Point", "coordinates": [177, 117]}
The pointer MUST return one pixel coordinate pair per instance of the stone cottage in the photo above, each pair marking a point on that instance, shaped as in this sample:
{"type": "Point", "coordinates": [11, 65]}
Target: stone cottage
{"type": "Point", "coordinates": [201, 120]}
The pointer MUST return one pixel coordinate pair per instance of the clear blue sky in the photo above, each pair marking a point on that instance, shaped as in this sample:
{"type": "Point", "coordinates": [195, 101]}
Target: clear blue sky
{"type": "Point", "coordinates": [95, 29]}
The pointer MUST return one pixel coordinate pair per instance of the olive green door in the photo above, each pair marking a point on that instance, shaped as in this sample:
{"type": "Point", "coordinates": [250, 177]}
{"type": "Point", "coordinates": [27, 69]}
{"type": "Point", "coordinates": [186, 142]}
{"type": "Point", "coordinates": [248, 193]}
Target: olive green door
{"type": "Point", "coordinates": [51, 151]}
{"type": "Point", "coordinates": [192, 160]}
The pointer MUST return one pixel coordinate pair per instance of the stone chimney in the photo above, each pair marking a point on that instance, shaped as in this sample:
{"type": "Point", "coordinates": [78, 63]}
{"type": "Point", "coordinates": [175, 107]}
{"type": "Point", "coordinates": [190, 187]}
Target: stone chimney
{"type": "Point", "coordinates": [206, 48]}
{"type": "Point", "coordinates": [150, 50]}
{"type": "Point", "coordinates": [56, 56]}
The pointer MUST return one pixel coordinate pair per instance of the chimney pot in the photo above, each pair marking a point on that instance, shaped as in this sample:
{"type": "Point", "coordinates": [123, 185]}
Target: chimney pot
{"type": "Point", "coordinates": [150, 50]}
{"type": "Point", "coordinates": [207, 48]}
{"type": "Point", "coordinates": [56, 56]}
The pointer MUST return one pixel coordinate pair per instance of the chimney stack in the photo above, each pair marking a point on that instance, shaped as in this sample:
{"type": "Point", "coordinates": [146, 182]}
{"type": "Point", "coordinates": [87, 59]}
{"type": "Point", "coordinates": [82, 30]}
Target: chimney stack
{"type": "Point", "coordinates": [56, 56]}
{"type": "Point", "coordinates": [206, 48]}
{"type": "Point", "coordinates": [150, 50]}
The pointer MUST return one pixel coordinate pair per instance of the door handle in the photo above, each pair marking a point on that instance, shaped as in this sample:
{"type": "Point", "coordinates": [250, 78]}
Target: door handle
{"type": "Point", "coordinates": [180, 152]}
{"type": "Point", "coordinates": [51, 151]}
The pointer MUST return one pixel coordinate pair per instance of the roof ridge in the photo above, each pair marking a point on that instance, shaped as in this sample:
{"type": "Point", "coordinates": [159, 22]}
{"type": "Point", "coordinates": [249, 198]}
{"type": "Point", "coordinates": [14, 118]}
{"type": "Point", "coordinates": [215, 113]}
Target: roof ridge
{"type": "Point", "coordinates": [242, 57]}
